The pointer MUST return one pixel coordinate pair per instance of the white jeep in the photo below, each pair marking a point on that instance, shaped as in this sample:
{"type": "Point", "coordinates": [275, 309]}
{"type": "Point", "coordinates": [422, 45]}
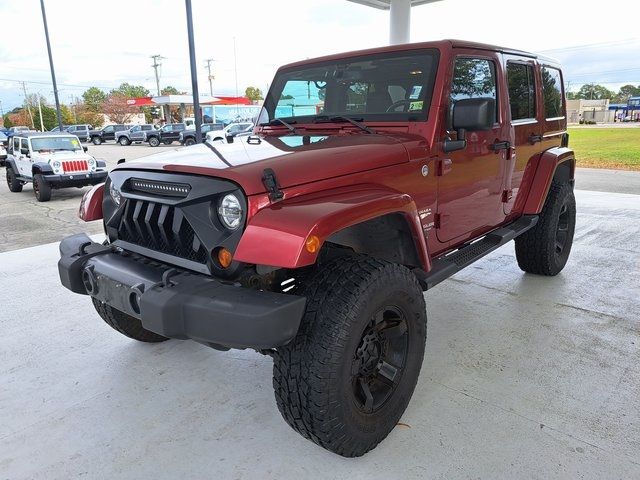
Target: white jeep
{"type": "Point", "coordinates": [50, 160]}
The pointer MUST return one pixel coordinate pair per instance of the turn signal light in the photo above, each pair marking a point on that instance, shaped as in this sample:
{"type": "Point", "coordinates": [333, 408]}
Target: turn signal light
{"type": "Point", "coordinates": [312, 244]}
{"type": "Point", "coordinates": [224, 257]}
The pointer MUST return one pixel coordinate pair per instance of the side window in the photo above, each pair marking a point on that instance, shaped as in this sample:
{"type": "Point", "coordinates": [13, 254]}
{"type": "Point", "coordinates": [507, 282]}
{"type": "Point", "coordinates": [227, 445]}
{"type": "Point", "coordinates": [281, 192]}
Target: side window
{"type": "Point", "coordinates": [473, 78]}
{"type": "Point", "coordinates": [24, 143]}
{"type": "Point", "coordinates": [552, 89]}
{"type": "Point", "coordinates": [108, 129]}
{"type": "Point", "coordinates": [16, 145]}
{"type": "Point", "coordinates": [522, 91]}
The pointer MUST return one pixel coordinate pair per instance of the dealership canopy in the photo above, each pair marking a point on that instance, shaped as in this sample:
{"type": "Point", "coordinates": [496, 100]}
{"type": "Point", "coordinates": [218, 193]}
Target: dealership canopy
{"type": "Point", "coordinates": [399, 16]}
{"type": "Point", "coordinates": [186, 100]}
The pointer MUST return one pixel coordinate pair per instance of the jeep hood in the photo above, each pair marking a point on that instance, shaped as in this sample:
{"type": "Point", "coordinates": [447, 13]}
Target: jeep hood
{"type": "Point", "coordinates": [61, 155]}
{"type": "Point", "coordinates": [294, 159]}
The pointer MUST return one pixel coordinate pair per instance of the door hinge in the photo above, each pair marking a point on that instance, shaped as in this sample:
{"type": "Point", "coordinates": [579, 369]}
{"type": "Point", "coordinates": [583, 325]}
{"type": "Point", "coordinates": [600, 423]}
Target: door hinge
{"type": "Point", "coordinates": [439, 220]}
{"type": "Point", "coordinates": [444, 166]}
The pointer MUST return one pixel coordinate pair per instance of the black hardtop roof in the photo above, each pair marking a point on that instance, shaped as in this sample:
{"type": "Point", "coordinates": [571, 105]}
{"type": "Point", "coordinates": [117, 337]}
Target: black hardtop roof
{"type": "Point", "coordinates": [43, 134]}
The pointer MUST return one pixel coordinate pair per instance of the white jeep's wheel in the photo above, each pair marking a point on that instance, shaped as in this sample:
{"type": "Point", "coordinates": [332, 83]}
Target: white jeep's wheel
{"type": "Point", "coordinates": [41, 188]}
{"type": "Point", "coordinates": [14, 184]}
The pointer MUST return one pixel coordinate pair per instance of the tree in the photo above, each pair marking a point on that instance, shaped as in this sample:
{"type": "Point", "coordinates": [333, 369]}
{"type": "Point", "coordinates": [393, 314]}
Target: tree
{"type": "Point", "coordinates": [626, 92]}
{"type": "Point", "coordinates": [49, 117]}
{"type": "Point", "coordinates": [7, 121]}
{"type": "Point", "coordinates": [592, 91]}
{"type": "Point", "coordinates": [253, 94]}
{"type": "Point", "coordinates": [130, 91]}
{"type": "Point", "coordinates": [94, 98]}
{"type": "Point", "coordinates": [169, 90]}
{"type": "Point", "coordinates": [117, 108]}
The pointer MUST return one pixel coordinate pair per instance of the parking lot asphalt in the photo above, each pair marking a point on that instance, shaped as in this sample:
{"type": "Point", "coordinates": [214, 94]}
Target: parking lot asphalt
{"type": "Point", "coordinates": [523, 377]}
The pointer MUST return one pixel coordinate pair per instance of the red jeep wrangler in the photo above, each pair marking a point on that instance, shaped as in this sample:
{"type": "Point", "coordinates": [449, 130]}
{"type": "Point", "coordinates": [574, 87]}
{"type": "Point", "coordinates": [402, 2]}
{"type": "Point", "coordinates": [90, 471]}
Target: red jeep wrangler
{"type": "Point", "coordinates": [370, 177]}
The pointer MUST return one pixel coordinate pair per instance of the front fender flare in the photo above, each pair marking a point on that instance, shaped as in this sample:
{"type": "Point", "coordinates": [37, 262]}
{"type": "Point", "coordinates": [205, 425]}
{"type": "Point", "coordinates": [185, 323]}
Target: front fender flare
{"type": "Point", "coordinates": [276, 235]}
{"type": "Point", "coordinates": [42, 168]}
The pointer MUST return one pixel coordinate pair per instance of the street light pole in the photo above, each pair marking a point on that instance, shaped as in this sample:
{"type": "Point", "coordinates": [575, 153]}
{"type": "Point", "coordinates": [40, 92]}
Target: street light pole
{"type": "Point", "coordinates": [53, 73]}
{"type": "Point", "coordinates": [194, 76]}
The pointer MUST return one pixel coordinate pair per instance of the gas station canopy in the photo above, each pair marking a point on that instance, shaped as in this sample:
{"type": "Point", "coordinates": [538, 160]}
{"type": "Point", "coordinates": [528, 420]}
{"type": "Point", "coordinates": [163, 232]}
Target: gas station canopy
{"type": "Point", "coordinates": [187, 100]}
{"type": "Point", "coordinates": [399, 16]}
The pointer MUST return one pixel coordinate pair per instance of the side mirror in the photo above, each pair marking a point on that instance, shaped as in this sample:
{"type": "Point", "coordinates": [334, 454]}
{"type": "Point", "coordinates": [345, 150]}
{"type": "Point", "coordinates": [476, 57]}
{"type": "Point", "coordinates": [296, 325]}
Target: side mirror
{"type": "Point", "coordinates": [470, 114]}
{"type": "Point", "coordinates": [85, 148]}
{"type": "Point", "coordinates": [24, 151]}
{"type": "Point", "coordinates": [229, 138]}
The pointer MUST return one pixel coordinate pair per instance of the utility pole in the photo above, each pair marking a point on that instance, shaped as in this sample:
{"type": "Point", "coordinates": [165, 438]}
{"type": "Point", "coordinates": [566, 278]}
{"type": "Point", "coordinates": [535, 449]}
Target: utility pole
{"type": "Point", "coordinates": [40, 112]}
{"type": "Point", "coordinates": [194, 75]}
{"type": "Point", "coordinates": [26, 101]}
{"type": "Point", "coordinates": [210, 77]}
{"type": "Point", "coordinates": [53, 73]}
{"type": "Point", "coordinates": [156, 65]}
{"type": "Point", "coordinates": [1, 113]}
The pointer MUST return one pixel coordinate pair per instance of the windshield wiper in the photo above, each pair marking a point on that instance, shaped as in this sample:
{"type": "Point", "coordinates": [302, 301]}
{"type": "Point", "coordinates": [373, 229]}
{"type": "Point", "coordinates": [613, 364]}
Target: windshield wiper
{"type": "Point", "coordinates": [341, 118]}
{"type": "Point", "coordinates": [276, 121]}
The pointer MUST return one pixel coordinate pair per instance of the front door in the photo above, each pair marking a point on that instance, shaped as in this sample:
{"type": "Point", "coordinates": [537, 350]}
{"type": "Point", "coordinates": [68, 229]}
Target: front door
{"type": "Point", "coordinates": [526, 130]}
{"type": "Point", "coordinates": [23, 161]}
{"type": "Point", "coordinates": [136, 134]}
{"type": "Point", "coordinates": [471, 179]}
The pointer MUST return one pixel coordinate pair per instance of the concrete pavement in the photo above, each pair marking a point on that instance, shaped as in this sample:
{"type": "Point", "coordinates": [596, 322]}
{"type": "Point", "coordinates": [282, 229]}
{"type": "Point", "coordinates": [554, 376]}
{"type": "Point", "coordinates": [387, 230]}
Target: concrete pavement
{"type": "Point", "coordinates": [523, 377]}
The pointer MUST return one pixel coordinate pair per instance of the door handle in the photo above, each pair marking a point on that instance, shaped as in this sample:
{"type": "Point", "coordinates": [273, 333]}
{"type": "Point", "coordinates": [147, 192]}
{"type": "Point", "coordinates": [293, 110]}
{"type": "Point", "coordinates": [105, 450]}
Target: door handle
{"type": "Point", "coordinates": [533, 139]}
{"type": "Point", "coordinates": [496, 147]}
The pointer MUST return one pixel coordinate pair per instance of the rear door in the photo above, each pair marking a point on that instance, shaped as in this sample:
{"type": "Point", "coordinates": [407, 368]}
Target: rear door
{"type": "Point", "coordinates": [23, 161]}
{"type": "Point", "coordinates": [470, 180]}
{"type": "Point", "coordinates": [526, 128]}
{"type": "Point", "coordinates": [108, 133]}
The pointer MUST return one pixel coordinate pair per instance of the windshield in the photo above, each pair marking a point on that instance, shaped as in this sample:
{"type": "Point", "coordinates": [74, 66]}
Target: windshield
{"type": "Point", "coordinates": [392, 86]}
{"type": "Point", "coordinates": [55, 143]}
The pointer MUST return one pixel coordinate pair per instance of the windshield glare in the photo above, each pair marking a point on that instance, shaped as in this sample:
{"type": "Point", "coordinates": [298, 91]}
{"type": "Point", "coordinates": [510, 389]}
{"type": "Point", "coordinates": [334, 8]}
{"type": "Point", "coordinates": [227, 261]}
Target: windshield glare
{"type": "Point", "coordinates": [392, 86]}
{"type": "Point", "coordinates": [55, 143]}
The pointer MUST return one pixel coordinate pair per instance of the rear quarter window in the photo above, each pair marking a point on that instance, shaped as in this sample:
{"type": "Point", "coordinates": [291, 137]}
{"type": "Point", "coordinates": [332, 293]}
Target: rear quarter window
{"type": "Point", "coordinates": [522, 91]}
{"type": "Point", "coordinates": [552, 91]}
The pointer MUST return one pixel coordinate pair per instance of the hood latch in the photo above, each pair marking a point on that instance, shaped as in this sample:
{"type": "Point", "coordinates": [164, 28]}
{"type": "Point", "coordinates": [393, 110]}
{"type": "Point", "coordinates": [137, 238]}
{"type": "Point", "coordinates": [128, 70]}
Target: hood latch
{"type": "Point", "coordinates": [271, 184]}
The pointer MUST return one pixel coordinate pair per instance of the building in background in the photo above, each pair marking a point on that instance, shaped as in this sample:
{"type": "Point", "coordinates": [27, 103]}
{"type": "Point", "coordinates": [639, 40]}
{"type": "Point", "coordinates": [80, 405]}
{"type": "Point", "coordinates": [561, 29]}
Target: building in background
{"type": "Point", "coordinates": [589, 111]}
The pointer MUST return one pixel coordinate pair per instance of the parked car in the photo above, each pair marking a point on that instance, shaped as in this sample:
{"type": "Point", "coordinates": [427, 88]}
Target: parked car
{"type": "Point", "coordinates": [106, 133]}
{"type": "Point", "coordinates": [372, 176]}
{"type": "Point", "coordinates": [57, 129]}
{"type": "Point", "coordinates": [81, 131]}
{"type": "Point", "coordinates": [168, 134]}
{"type": "Point", "coordinates": [13, 130]}
{"type": "Point", "coordinates": [135, 134]}
{"type": "Point", "coordinates": [230, 131]}
{"type": "Point", "coordinates": [50, 161]}
{"type": "Point", "coordinates": [188, 137]}
{"type": "Point", "coordinates": [4, 140]}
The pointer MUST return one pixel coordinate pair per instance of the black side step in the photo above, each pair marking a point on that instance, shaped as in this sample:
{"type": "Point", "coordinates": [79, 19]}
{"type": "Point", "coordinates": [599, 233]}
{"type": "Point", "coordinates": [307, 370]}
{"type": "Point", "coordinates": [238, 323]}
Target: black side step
{"type": "Point", "coordinates": [445, 266]}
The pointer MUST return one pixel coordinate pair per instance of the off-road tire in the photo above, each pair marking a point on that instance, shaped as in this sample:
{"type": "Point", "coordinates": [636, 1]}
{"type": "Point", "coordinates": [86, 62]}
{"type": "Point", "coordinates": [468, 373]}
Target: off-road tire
{"type": "Point", "coordinates": [41, 188]}
{"type": "Point", "coordinates": [96, 140]}
{"type": "Point", "coordinates": [154, 141]}
{"type": "Point", "coordinates": [539, 250]}
{"type": "Point", "coordinates": [126, 324]}
{"type": "Point", "coordinates": [124, 141]}
{"type": "Point", "coordinates": [313, 374]}
{"type": "Point", "coordinates": [189, 141]}
{"type": "Point", "coordinates": [13, 183]}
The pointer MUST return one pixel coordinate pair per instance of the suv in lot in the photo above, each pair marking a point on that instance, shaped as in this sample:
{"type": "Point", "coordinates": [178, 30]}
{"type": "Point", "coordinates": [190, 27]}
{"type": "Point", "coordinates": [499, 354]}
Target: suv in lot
{"type": "Point", "coordinates": [50, 161]}
{"type": "Point", "coordinates": [81, 131]}
{"type": "Point", "coordinates": [167, 134]}
{"type": "Point", "coordinates": [136, 134]}
{"type": "Point", "coordinates": [106, 133]}
{"type": "Point", "coordinates": [371, 177]}
{"type": "Point", "coordinates": [188, 137]}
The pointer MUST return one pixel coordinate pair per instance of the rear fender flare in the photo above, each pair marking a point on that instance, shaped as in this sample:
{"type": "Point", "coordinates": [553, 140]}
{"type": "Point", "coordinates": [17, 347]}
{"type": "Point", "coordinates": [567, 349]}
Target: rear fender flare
{"type": "Point", "coordinates": [556, 163]}
{"type": "Point", "coordinates": [276, 235]}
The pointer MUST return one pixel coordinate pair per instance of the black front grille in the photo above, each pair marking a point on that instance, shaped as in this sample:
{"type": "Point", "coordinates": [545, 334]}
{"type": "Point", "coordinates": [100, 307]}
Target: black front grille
{"type": "Point", "coordinates": [162, 228]}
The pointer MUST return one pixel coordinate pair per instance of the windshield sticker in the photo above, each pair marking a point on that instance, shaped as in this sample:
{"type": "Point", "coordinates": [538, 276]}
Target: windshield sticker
{"type": "Point", "coordinates": [413, 106]}
{"type": "Point", "coordinates": [75, 142]}
{"type": "Point", "coordinates": [415, 92]}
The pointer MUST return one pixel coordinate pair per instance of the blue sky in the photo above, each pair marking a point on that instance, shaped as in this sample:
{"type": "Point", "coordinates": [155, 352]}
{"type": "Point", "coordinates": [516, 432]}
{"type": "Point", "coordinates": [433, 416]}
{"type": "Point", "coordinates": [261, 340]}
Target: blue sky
{"type": "Point", "coordinates": [105, 43]}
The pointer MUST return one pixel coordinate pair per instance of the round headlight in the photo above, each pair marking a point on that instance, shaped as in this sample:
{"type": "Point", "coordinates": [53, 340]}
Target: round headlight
{"type": "Point", "coordinates": [230, 211]}
{"type": "Point", "coordinates": [91, 161]}
{"type": "Point", "coordinates": [56, 164]}
{"type": "Point", "coordinates": [116, 196]}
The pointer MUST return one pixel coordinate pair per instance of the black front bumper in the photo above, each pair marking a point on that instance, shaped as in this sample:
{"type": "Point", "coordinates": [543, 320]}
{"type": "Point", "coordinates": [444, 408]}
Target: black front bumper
{"type": "Point", "coordinates": [176, 303]}
{"type": "Point", "coordinates": [76, 180]}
